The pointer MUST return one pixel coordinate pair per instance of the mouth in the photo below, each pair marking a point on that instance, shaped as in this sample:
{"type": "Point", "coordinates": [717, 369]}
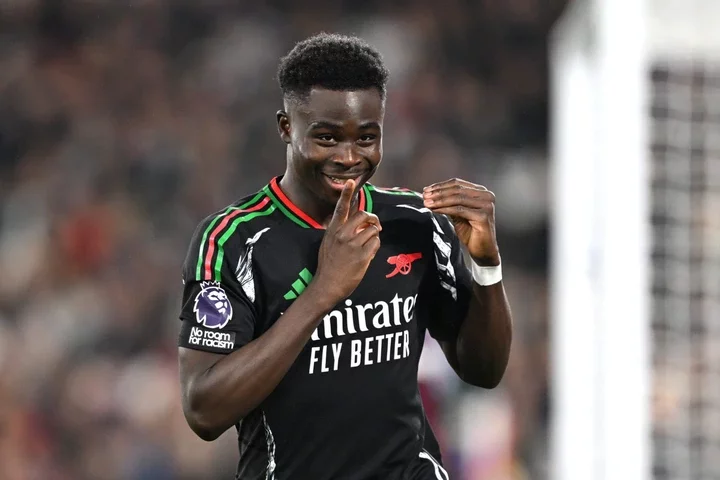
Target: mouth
{"type": "Point", "coordinates": [337, 182]}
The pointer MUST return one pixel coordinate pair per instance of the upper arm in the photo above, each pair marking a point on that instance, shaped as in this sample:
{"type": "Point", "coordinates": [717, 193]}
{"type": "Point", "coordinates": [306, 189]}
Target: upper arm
{"type": "Point", "coordinates": [192, 365]}
{"type": "Point", "coordinates": [217, 316]}
{"type": "Point", "coordinates": [450, 287]}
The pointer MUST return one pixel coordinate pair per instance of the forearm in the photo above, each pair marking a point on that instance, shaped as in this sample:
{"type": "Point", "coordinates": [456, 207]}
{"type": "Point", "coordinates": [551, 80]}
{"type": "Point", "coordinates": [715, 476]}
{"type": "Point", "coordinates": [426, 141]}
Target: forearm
{"type": "Point", "coordinates": [484, 339]}
{"type": "Point", "coordinates": [236, 384]}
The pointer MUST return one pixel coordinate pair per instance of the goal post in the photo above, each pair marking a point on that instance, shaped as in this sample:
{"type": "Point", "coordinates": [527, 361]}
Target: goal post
{"type": "Point", "coordinates": [599, 257]}
{"type": "Point", "coordinates": [635, 297]}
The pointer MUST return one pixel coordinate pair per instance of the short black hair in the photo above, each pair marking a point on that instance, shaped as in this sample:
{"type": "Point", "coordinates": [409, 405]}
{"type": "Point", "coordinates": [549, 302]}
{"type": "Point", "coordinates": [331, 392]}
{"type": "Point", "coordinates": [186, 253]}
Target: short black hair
{"type": "Point", "coordinates": [334, 62]}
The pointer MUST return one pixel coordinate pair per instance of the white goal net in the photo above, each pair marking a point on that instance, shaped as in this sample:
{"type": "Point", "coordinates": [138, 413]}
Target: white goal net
{"type": "Point", "coordinates": [685, 161]}
{"type": "Point", "coordinates": [636, 255]}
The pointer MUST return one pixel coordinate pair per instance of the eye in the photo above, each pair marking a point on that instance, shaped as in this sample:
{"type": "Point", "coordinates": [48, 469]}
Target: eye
{"type": "Point", "coordinates": [367, 138]}
{"type": "Point", "coordinates": [325, 137]}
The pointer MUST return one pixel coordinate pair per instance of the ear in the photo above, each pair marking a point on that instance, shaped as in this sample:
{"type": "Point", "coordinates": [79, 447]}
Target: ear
{"type": "Point", "coordinates": [283, 124]}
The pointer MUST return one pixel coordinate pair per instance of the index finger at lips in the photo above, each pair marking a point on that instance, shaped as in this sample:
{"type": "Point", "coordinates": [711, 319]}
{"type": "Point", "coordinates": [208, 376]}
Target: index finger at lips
{"type": "Point", "coordinates": [342, 208]}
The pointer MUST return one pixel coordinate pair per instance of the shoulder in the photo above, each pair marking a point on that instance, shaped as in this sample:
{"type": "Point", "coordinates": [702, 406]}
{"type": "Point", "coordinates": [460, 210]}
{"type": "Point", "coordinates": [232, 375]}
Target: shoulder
{"type": "Point", "coordinates": [223, 234]}
{"type": "Point", "coordinates": [243, 217]}
{"type": "Point", "coordinates": [381, 197]}
{"type": "Point", "coordinates": [397, 203]}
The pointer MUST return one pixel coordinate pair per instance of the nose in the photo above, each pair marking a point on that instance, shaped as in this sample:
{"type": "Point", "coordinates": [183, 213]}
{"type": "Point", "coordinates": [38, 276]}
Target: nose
{"type": "Point", "coordinates": [347, 157]}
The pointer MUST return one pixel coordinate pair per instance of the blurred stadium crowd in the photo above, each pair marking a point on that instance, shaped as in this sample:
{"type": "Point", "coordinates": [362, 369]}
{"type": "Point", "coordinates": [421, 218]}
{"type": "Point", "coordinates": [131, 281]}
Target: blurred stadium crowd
{"type": "Point", "coordinates": [122, 124]}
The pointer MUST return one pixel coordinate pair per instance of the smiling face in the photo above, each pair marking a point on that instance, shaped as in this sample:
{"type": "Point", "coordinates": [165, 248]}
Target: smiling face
{"type": "Point", "coordinates": [333, 136]}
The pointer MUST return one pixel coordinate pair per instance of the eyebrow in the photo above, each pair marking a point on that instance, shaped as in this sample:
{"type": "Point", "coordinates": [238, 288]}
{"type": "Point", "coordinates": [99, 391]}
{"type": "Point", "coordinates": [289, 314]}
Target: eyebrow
{"type": "Point", "coordinates": [334, 126]}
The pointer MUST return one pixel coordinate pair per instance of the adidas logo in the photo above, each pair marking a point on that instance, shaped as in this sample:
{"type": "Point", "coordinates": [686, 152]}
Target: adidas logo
{"type": "Point", "coordinates": [299, 285]}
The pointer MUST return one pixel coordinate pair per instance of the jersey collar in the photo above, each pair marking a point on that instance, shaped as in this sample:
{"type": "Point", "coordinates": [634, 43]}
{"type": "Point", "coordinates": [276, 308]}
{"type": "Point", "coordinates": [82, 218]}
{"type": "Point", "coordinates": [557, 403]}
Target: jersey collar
{"type": "Point", "coordinates": [299, 217]}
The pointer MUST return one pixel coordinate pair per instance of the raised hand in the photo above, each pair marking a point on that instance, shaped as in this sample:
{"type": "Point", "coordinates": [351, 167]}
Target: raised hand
{"type": "Point", "coordinates": [351, 241]}
{"type": "Point", "coordinates": [471, 208]}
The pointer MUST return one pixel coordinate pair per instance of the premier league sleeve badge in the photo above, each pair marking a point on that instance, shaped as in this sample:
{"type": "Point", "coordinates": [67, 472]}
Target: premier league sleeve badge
{"type": "Point", "coordinates": [212, 307]}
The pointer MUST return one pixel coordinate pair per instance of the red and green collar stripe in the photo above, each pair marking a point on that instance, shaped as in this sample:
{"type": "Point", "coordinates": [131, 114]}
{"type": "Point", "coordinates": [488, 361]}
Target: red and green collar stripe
{"type": "Point", "coordinates": [366, 201]}
{"type": "Point", "coordinates": [222, 227]}
{"type": "Point", "coordinates": [212, 252]}
{"type": "Point", "coordinates": [294, 213]}
{"type": "Point", "coordinates": [287, 207]}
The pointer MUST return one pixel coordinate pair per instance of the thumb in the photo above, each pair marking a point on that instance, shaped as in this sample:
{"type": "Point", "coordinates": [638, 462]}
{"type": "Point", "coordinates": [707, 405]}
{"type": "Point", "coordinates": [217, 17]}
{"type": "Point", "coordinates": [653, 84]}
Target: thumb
{"type": "Point", "coordinates": [342, 209]}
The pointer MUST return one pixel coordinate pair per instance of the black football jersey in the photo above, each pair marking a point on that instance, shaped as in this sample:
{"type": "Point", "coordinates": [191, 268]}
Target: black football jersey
{"type": "Point", "coordinates": [349, 407]}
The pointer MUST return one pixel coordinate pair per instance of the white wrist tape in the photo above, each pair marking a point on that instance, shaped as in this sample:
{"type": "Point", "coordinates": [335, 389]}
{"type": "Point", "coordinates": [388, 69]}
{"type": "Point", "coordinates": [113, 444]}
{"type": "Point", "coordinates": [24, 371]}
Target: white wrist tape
{"type": "Point", "coordinates": [486, 276]}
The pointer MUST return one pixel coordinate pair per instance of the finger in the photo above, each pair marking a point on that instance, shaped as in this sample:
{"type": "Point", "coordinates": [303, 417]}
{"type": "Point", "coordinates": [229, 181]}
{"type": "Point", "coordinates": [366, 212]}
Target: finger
{"type": "Point", "coordinates": [468, 198]}
{"type": "Point", "coordinates": [451, 183]}
{"type": "Point", "coordinates": [372, 246]}
{"type": "Point", "coordinates": [362, 219]}
{"type": "Point", "coordinates": [366, 234]}
{"type": "Point", "coordinates": [459, 187]}
{"type": "Point", "coordinates": [477, 191]}
{"type": "Point", "coordinates": [461, 211]}
{"type": "Point", "coordinates": [342, 208]}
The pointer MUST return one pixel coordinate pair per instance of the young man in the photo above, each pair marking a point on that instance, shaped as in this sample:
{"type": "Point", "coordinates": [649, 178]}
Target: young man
{"type": "Point", "coordinates": [305, 305]}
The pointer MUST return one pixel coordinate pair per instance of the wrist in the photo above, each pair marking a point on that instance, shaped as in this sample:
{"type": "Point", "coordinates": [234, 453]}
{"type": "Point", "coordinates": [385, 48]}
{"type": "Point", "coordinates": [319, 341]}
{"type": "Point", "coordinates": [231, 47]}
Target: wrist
{"type": "Point", "coordinates": [322, 298]}
{"type": "Point", "coordinates": [486, 275]}
{"type": "Point", "coordinates": [490, 260]}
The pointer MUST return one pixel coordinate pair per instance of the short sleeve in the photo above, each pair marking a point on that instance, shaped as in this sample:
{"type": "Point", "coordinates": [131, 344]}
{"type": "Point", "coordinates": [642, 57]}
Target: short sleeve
{"type": "Point", "coordinates": [451, 285]}
{"type": "Point", "coordinates": [216, 314]}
